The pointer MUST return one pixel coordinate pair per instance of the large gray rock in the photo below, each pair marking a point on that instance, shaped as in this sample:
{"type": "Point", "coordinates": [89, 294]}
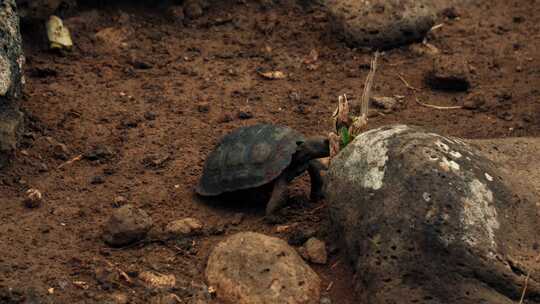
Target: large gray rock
{"type": "Point", "coordinates": [11, 79]}
{"type": "Point", "coordinates": [381, 24]}
{"type": "Point", "coordinates": [427, 219]}
{"type": "Point", "coordinates": [11, 53]}
{"type": "Point", "coordinates": [252, 268]}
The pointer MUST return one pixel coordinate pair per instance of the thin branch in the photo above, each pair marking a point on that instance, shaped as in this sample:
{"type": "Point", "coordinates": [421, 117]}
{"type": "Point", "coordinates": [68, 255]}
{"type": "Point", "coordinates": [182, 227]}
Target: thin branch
{"type": "Point", "coordinates": [438, 107]}
{"type": "Point", "coordinates": [406, 83]}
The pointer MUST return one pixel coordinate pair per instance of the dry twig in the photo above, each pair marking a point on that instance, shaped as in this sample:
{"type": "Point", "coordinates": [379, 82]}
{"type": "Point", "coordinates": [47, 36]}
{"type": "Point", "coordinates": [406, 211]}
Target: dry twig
{"type": "Point", "coordinates": [407, 84]}
{"type": "Point", "coordinates": [76, 158]}
{"type": "Point", "coordinates": [438, 107]}
{"type": "Point", "coordinates": [525, 285]}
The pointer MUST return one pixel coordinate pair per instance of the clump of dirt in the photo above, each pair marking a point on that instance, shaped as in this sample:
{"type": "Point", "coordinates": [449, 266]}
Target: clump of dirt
{"type": "Point", "coordinates": [155, 95]}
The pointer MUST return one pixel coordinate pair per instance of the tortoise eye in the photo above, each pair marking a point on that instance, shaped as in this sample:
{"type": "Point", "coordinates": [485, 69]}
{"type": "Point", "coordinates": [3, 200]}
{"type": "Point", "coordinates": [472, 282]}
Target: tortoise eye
{"type": "Point", "coordinates": [299, 142]}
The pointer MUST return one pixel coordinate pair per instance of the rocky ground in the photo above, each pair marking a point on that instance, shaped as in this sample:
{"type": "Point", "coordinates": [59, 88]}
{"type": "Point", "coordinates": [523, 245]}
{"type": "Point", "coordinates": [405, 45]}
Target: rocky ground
{"type": "Point", "coordinates": [128, 117]}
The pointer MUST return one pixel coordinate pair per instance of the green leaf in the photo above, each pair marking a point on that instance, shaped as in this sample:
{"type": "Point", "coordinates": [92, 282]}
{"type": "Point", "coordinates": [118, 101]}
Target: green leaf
{"type": "Point", "coordinates": [345, 137]}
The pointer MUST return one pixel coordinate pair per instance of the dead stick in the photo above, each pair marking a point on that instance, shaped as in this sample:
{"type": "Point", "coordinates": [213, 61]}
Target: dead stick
{"type": "Point", "coordinates": [527, 281]}
{"type": "Point", "coordinates": [76, 158]}
{"type": "Point", "coordinates": [438, 107]}
{"type": "Point", "coordinates": [406, 83]}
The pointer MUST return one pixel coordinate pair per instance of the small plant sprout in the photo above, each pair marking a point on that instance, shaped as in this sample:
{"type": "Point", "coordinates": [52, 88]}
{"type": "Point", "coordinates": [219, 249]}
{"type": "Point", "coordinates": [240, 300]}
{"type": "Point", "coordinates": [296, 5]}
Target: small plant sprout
{"type": "Point", "coordinates": [347, 127]}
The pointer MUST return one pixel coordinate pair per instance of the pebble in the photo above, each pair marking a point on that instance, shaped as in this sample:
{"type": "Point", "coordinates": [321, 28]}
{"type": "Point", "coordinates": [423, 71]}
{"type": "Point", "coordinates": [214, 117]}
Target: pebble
{"type": "Point", "coordinates": [33, 199]}
{"type": "Point", "coordinates": [193, 9]}
{"type": "Point", "coordinates": [126, 225]}
{"type": "Point", "coordinates": [203, 107]}
{"type": "Point", "coordinates": [184, 227]}
{"type": "Point", "coordinates": [176, 13]}
{"type": "Point", "coordinates": [300, 236]}
{"type": "Point", "coordinates": [316, 251]}
{"type": "Point", "coordinates": [153, 280]}
{"type": "Point", "coordinates": [387, 104]}
{"type": "Point", "coordinates": [60, 151]}
{"type": "Point", "coordinates": [119, 201]}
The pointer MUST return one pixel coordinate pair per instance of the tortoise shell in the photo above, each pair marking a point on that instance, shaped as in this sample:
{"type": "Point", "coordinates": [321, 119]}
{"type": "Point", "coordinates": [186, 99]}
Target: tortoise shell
{"type": "Point", "coordinates": [248, 157]}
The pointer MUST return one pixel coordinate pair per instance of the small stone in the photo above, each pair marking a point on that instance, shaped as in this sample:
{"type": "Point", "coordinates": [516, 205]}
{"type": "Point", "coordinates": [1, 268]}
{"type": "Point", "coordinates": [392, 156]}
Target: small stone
{"type": "Point", "coordinates": [326, 300]}
{"type": "Point", "coordinates": [176, 13]}
{"type": "Point", "coordinates": [33, 199]}
{"type": "Point", "coordinates": [126, 225]}
{"type": "Point", "coordinates": [505, 116]}
{"type": "Point", "coordinates": [150, 115]}
{"type": "Point", "coordinates": [113, 38]}
{"type": "Point", "coordinates": [203, 107]}
{"type": "Point", "coordinates": [474, 101]}
{"type": "Point", "coordinates": [216, 230]}
{"type": "Point", "coordinates": [193, 9]}
{"type": "Point", "coordinates": [245, 114]}
{"type": "Point", "coordinates": [120, 298]}
{"type": "Point", "coordinates": [107, 277]}
{"type": "Point", "coordinates": [450, 73]}
{"type": "Point", "coordinates": [316, 251]}
{"type": "Point", "coordinates": [237, 218]}
{"type": "Point", "coordinates": [153, 280]}
{"type": "Point", "coordinates": [97, 180]}
{"type": "Point", "coordinates": [42, 167]}
{"type": "Point", "coordinates": [119, 201]}
{"type": "Point", "coordinates": [170, 298]}
{"type": "Point", "coordinates": [60, 151]}
{"type": "Point", "coordinates": [450, 13]}
{"type": "Point", "coordinates": [300, 236]}
{"type": "Point", "coordinates": [225, 117]}
{"type": "Point", "coordinates": [99, 153]}
{"type": "Point", "coordinates": [387, 104]}
{"type": "Point", "coordinates": [184, 227]}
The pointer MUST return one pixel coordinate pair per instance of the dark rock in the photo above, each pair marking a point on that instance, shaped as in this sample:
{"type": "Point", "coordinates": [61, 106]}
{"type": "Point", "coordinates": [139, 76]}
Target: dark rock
{"type": "Point", "coordinates": [203, 107]}
{"type": "Point", "coordinates": [474, 101]}
{"type": "Point", "coordinates": [150, 115]}
{"type": "Point", "coordinates": [194, 9]}
{"type": "Point", "coordinates": [450, 73]}
{"type": "Point", "coordinates": [381, 24]}
{"type": "Point", "coordinates": [450, 12]}
{"type": "Point", "coordinates": [299, 236]}
{"type": "Point", "coordinates": [237, 218]}
{"type": "Point", "coordinates": [60, 151]}
{"type": "Point", "coordinates": [423, 216]}
{"type": "Point", "coordinates": [245, 114]}
{"type": "Point", "coordinates": [387, 104]}
{"type": "Point", "coordinates": [97, 180]}
{"type": "Point", "coordinates": [126, 225]}
{"type": "Point", "coordinates": [99, 153]}
{"type": "Point", "coordinates": [176, 13]}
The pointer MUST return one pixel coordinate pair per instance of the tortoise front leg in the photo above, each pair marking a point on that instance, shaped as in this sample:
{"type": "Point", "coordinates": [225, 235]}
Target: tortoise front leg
{"type": "Point", "coordinates": [279, 194]}
{"type": "Point", "coordinates": [314, 170]}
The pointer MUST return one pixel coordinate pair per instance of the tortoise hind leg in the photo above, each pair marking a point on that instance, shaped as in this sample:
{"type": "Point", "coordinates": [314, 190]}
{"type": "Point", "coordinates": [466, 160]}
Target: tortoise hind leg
{"type": "Point", "coordinates": [279, 195]}
{"type": "Point", "coordinates": [314, 170]}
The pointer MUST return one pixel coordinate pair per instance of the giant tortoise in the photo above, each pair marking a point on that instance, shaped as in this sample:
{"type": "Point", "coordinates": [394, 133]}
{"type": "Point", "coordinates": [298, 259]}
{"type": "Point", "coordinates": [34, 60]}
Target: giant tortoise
{"type": "Point", "coordinates": [257, 155]}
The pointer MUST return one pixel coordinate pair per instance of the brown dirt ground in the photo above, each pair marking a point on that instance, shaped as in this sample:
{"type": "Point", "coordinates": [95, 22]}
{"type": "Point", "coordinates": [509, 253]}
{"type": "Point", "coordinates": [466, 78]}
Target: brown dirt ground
{"type": "Point", "coordinates": [99, 95]}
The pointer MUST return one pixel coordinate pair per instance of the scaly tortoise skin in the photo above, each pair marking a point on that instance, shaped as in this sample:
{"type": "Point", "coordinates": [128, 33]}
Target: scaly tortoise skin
{"type": "Point", "coordinates": [260, 154]}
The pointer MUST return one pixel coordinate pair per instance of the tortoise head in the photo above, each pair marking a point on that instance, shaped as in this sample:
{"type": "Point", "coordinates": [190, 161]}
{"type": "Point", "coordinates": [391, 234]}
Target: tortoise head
{"type": "Point", "coordinates": [312, 148]}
